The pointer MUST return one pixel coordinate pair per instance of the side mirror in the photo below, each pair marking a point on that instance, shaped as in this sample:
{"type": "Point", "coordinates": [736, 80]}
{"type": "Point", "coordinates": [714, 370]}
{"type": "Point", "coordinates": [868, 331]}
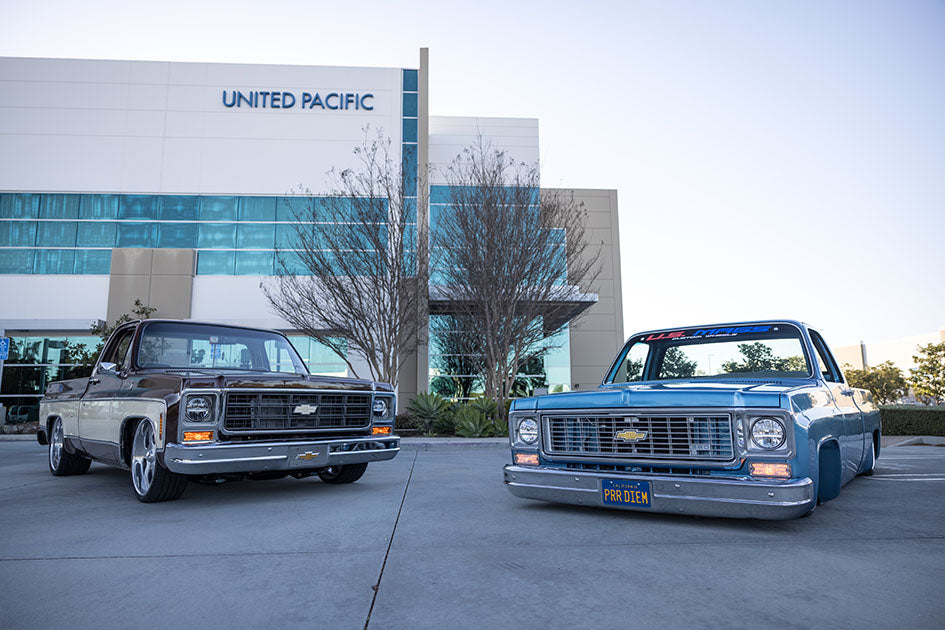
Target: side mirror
{"type": "Point", "coordinates": [108, 368]}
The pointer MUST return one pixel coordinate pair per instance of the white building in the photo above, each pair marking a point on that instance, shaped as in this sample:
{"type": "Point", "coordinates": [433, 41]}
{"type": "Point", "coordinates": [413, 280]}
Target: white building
{"type": "Point", "coordinates": [162, 181]}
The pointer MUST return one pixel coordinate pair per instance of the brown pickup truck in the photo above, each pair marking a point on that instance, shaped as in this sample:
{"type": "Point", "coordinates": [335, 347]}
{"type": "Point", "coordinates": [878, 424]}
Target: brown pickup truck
{"type": "Point", "coordinates": [173, 401]}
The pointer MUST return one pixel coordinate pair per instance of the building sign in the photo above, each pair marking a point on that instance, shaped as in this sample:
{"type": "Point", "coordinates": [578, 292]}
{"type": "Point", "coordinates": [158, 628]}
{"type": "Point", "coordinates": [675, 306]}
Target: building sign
{"type": "Point", "coordinates": [261, 99]}
{"type": "Point", "coordinates": [4, 348]}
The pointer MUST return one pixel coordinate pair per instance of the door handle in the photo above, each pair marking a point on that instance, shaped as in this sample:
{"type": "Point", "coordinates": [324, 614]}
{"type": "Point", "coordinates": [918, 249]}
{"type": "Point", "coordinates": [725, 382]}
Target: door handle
{"type": "Point", "coordinates": [847, 392]}
{"type": "Point", "coordinates": [94, 381]}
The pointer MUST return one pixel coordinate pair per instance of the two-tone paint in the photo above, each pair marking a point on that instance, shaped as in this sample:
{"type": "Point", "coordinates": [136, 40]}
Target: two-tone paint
{"type": "Point", "coordinates": [833, 434]}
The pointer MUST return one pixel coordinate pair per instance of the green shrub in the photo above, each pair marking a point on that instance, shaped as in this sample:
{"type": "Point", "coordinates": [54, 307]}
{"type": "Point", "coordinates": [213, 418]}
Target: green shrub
{"type": "Point", "coordinates": [471, 423]}
{"type": "Point", "coordinates": [485, 405]}
{"type": "Point", "coordinates": [913, 419]}
{"type": "Point", "coordinates": [429, 410]}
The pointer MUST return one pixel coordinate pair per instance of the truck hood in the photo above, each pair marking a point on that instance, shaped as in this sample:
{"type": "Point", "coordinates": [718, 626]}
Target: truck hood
{"type": "Point", "coordinates": [671, 394]}
{"type": "Point", "coordinates": [280, 381]}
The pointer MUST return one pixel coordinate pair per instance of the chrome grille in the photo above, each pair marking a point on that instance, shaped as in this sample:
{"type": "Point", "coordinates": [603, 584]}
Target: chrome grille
{"type": "Point", "coordinates": [290, 411]}
{"type": "Point", "coordinates": [684, 437]}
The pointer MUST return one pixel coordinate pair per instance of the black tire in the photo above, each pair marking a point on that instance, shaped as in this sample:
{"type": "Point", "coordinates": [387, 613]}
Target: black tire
{"type": "Point", "coordinates": [150, 481]}
{"type": "Point", "coordinates": [62, 463]}
{"type": "Point", "coordinates": [348, 473]}
{"type": "Point", "coordinates": [871, 462]}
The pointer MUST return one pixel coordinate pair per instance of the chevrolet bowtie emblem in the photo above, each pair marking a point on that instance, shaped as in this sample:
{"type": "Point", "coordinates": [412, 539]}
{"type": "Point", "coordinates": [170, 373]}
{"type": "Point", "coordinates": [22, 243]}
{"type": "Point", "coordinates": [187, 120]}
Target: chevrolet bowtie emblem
{"type": "Point", "coordinates": [631, 436]}
{"type": "Point", "coordinates": [307, 456]}
{"type": "Point", "coordinates": [305, 410]}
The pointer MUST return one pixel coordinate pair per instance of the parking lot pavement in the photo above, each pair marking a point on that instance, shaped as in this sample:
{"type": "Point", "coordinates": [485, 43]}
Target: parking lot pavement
{"type": "Point", "coordinates": [465, 553]}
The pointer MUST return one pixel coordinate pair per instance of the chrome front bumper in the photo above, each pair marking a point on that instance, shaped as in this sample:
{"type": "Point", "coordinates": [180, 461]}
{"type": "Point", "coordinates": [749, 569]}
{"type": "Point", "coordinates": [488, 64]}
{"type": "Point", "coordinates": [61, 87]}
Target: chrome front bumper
{"type": "Point", "coordinates": [288, 456]}
{"type": "Point", "coordinates": [732, 497]}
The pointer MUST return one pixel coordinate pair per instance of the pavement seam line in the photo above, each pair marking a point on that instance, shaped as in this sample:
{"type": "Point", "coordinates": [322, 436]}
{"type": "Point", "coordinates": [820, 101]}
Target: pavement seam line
{"type": "Point", "coordinates": [380, 576]}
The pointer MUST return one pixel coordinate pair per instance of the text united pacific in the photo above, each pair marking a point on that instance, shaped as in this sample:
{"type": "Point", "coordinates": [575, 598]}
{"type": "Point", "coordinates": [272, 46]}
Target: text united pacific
{"type": "Point", "coordinates": [261, 99]}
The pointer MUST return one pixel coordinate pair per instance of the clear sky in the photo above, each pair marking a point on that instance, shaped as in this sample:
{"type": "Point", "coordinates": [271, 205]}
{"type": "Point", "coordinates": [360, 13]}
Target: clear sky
{"type": "Point", "coordinates": [772, 159]}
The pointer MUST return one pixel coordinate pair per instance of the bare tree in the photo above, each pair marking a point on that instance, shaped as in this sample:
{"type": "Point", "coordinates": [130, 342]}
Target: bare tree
{"type": "Point", "coordinates": [510, 259]}
{"type": "Point", "coordinates": [354, 276]}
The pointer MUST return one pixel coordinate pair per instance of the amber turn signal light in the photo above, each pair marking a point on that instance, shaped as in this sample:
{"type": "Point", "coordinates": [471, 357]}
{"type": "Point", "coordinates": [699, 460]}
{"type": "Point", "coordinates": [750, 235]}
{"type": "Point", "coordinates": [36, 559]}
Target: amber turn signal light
{"type": "Point", "coordinates": [380, 431]}
{"type": "Point", "coordinates": [526, 459]}
{"type": "Point", "coordinates": [768, 469]}
{"type": "Point", "coordinates": [198, 436]}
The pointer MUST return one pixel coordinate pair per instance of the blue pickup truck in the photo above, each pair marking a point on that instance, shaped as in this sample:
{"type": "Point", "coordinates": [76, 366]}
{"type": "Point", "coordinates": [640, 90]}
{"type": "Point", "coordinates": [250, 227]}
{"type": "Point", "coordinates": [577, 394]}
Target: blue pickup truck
{"type": "Point", "coordinates": [752, 420]}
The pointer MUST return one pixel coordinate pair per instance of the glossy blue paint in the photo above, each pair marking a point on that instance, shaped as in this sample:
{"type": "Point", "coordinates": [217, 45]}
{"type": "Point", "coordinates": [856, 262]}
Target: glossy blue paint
{"type": "Point", "coordinates": [832, 429]}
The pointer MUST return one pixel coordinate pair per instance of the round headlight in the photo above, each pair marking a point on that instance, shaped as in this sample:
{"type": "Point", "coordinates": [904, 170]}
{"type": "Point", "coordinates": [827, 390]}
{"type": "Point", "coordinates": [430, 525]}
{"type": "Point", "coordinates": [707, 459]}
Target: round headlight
{"type": "Point", "coordinates": [199, 408]}
{"type": "Point", "coordinates": [380, 407]}
{"type": "Point", "coordinates": [528, 431]}
{"type": "Point", "coordinates": [767, 433]}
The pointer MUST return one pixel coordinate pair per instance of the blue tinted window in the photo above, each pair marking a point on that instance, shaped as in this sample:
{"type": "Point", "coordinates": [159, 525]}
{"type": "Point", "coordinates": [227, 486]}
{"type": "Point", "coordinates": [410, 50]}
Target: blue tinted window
{"type": "Point", "coordinates": [254, 263]}
{"type": "Point", "coordinates": [219, 208]}
{"type": "Point", "coordinates": [410, 105]}
{"type": "Point", "coordinates": [59, 207]}
{"type": "Point", "coordinates": [19, 206]}
{"type": "Point", "coordinates": [410, 130]}
{"type": "Point", "coordinates": [410, 170]}
{"type": "Point", "coordinates": [298, 207]}
{"type": "Point", "coordinates": [257, 209]}
{"type": "Point", "coordinates": [181, 235]}
{"type": "Point", "coordinates": [134, 235]}
{"type": "Point", "coordinates": [289, 261]}
{"type": "Point", "coordinates": [98, 207]}
{"type": "Point", "coordinates": [256, 236]}
{"type": "Point", "coordinates": [179, 208]}
{"type": "Point", "coordinates": [56, 234]}
{"type": "Point", "coordinates": [215, 263]}
{"type": "Point", "coordinates": [93, 261]}
{"type": "Point", "coordinates": [52, 261]}
{"type": "Point", "coordinates": [17, 233]}
{"type": "Point", "coordinates": [439, 194]}
{"type": "Point", "coordinates": [217, 236]}
{"type": "Point", "coordinates": [410, 80]}
{"type": "Point", "coordinates": [96, 234]}
{"type": "Point", "coordinates": [410, 209]}
{"type": "Point", "coordinates": [139, 207]}
{"type": "Point", "coordinates": [286, 236]}
{"type": "Point", "coordinates": [16, 260]}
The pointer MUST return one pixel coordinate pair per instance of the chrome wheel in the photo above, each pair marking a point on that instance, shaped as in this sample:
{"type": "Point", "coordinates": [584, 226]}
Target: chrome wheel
{"type": "Point", "coordinates": [143, 459]}
{"type": "Point", "coordinates": [55, 445]}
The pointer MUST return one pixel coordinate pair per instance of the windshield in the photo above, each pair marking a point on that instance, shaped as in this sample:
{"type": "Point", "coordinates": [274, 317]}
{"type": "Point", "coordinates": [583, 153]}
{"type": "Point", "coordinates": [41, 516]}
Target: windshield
{"type": "Point", "coordinates": [761, 351]}
{"type": "Point", "coordinates": [184, 345]}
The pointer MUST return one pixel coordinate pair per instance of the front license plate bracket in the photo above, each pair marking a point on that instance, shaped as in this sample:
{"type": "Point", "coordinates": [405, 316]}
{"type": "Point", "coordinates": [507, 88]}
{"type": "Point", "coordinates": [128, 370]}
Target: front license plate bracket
{"type": "Point", "coordinates": [308, 456]}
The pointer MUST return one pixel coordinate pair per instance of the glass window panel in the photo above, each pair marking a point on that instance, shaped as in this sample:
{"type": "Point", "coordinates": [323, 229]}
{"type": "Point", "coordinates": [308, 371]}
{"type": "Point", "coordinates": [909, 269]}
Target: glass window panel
{"type": "Point", "coordinates": [56, 234]}
{"type": "Point", "coordinates": [216, 263]}
{"type": "Point", "coordinates": [289, 261]}
{"type": "Point", "coordinates": [93, 261]}
{"type": "Point", "coordinates": [410, 209]}
{"type": "Point", "coordinates": [98, 207]}
{"type": "Point", "coordinates": [410, 130]}
{"type": "Point", "coordinates": [256, 236]}
{"type": "Point", "coordinates": [19, 206]}
{"type": "Point", "coordinates": [17, 233]}
{"type": "Point", "coordinates": [410, 81]}
{"type": "Point", "coordinates": [182, 235]}
{"type": "Point", "coordinates": [16, 260]}
{"type": "Point", "coordinates": [54, 261]}
{"type": "Point", "coordinates": [139, 207]}
{"type": "Point", "coordinates": [410, 170]}
{"type": "Point", "coordinates": [179, 208]}
{"type": "Point", "coordinates": [410, 105]}
{"type": "Point", "coordinates": [59, 207]}
{"type": "Point", "coordinates": [254, 263]}
{"type": "Point", "coordinates": [287, 236]}
{"type": "Point", "coordinates": [217, 236]}
{"type": "Point", "coordinates": [219, 208]}
{"type": "Point", "coordinates": [257, 209]}
{"type": "Point", "coordinates": [96, 234]}
{"type": "Point", "coordinates": [306, 208]}
{"type": "Point", "coordinates": [135, 234]}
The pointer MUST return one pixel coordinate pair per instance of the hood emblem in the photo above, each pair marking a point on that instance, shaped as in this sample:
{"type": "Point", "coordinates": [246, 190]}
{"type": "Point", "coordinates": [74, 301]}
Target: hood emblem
{"type": "Point", "coordinates": [307, 456]}
{"type": "Point", "coordinates": [631, 436]}
{"type": "Point", "coordinates": [305, 410]}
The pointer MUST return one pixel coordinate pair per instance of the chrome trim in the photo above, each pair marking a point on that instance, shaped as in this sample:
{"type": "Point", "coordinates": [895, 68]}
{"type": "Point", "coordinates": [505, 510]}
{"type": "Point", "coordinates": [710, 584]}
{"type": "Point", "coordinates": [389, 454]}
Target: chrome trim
{"type": "Point", "coordinates": [735, 497]}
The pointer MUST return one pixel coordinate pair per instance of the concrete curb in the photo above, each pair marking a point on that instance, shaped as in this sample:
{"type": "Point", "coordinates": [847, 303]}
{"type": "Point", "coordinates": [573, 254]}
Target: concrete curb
{"type": "Point", "coordinates": [922, 440]}
{"type": "Point", "coordinates": [452, 444]}
{"type": "Point", "coordinates": [17, 437]}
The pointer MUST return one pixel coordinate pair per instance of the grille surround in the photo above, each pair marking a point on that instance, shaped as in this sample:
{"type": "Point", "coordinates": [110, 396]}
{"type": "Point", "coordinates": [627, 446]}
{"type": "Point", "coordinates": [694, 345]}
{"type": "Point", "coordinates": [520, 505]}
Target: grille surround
{"type": "Point", "coordinates": [704, 436]}
{"type": "Point", "coordinates": [249, 412]}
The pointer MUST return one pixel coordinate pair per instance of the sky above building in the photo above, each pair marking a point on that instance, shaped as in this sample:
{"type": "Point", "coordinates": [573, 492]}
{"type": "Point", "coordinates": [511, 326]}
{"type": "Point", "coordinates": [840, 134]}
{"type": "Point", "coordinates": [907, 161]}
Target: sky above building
{"type": "Point", "coordinates": [772, 159]}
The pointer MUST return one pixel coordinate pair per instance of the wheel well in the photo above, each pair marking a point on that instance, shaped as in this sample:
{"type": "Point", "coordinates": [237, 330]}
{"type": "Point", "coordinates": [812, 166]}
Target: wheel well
{"type": "Point", "coordinates": [829, 471]}
{"type": "Point", "coordinates": [876, 442]}
{"type": "Point", "coordinates": [128, 427]}
{"type": "Point", "coordinates": [42, 436]}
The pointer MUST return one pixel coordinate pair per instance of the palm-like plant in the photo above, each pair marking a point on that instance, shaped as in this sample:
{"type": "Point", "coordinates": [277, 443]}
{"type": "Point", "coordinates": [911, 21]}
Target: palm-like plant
{"type": "Point", "coordinates": [428, 409]}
